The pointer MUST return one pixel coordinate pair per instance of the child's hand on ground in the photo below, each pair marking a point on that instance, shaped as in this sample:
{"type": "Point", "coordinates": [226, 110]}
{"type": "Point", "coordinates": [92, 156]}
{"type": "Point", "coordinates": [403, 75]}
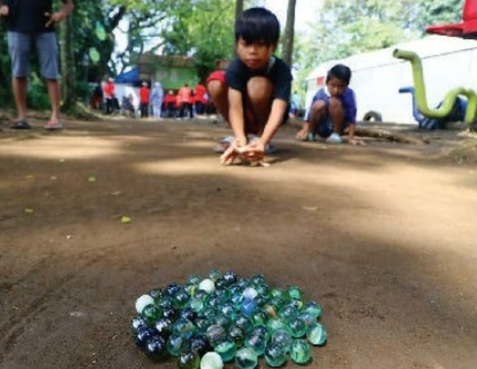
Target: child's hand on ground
{"type": "Point", "coordinates": [302, 135]}
{"type": "Point", "coordinates": [354, 142]}
{"type": "Point", "coordinates": [253, 151]}
{"type": "Point", "coordinates": [4, 11]}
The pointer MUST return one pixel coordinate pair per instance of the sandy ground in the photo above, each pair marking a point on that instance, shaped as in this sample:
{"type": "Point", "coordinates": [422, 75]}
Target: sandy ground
{"type": "Point", "coordinates": [383, 236]}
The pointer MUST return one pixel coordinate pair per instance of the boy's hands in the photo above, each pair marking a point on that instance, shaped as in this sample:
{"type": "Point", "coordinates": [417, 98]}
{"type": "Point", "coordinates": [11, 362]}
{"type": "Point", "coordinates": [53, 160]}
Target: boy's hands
{"type": "Point", "coordinates": [55, 18]}
{"type": "Point", "coordinates": [4, 11]}
{"type": "Point", "coordinates": [254, 151]}
{"type": "Point", "coordinates": [302, 134]}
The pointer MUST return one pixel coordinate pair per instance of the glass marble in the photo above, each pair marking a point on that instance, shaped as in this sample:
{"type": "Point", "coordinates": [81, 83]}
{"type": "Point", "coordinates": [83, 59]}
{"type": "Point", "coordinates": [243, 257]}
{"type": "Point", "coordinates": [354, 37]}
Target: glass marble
{"type": "Point", "coordinates": [136, 323]}
{"type": "Point", "coordinates": [313, 308]}
{"type": "Point", "coordinates": [275, 324]}
{"type": "Point", "coordinates": [300, 352]}
{"type": "Point", "coordinates": [171, 289]}
{"type": "Point", "coordinates": [215, 334]}
{"type": "Point", "coordinates": [211, 360]}
{"type": "Point", "coordinates": [294, 293]}
{"type": "Point", "coordinates": [214, 274]}
{"type": "Point", "coordinates": [288, 312]}
{"type": "Point", "coordinates": [316, 334]}
{"type": "Point", "coordinates": [176, 344]}
{"type": "Point", "coordinates": [183, 327]}
{"type": "Point", "coordinates": [230, 278]}
{"type": "Point", "coordinates": [257, 343]}
{"type": "Point", "coordinates": [237, 335]}
{"type": "Point", "coordinates": [275, 355]}
{"type": "Point", "coordinates": [207, 285]}
{"type": "Point", "coordinates": [156, 294]}
{"type": "Point", "coordinates": [194, 279]}
{"type": "Point", "coordinates": [246, 358]}
{"type": "Point", "coordinates": [244, 323]}
{"type": "Point", "coordinates": [283, 339]}
{"type": "Point", "coordinates": [259, 318]}
{"type": "Point", "coordinates": [227, 350]}
{"type": "Point", "coordinates": [156, 348]}
{"type": "Point", "coordinates": [188, 313]}
{"type": "Point", "coordinates": [198, 344]}
{"type": "Point", "coordinates": [142, 302]}
{"type": "Point", "coordinates": [163, 326]}
{"type": "Point", "coordinates": [189, 360]}
{"type": "Point", "coordinates": [249, 306]}
{"type": "Point", "coordinates": [307, 318]}
{"type": "Point", "coordinates": [151, 313]}
{"type": "Point", "coordinates": [180, 299]}
{"type": "Point", "coordinates": [143, 335]}
{"type": "Point", "coordinates": [297, 328]}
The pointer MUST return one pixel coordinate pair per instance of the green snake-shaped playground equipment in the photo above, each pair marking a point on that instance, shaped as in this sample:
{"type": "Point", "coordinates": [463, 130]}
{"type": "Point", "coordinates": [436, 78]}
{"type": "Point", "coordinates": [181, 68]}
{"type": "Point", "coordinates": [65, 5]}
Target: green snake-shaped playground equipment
{"type": "Point", "coordinates": [449, 98]}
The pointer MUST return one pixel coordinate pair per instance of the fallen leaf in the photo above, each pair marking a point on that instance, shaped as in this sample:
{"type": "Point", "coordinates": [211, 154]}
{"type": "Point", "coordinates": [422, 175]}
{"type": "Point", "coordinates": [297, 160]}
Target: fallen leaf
{"type": "Point", "coordinates": [29, 176]}
{"type": "Point", "coordinates": [28, 211]}
{"type": "Point", "coordinates": [92, 179]}
{"type": "Point", "coordinates": [310, 208]}
{"type": "Point", "coordinates": [125, 219]}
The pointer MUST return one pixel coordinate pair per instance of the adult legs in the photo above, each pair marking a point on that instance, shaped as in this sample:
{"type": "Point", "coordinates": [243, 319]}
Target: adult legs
{"type": "Point", "coordinates": [54, 93]}
{"type": "Point", "coordinates": [19, 86]}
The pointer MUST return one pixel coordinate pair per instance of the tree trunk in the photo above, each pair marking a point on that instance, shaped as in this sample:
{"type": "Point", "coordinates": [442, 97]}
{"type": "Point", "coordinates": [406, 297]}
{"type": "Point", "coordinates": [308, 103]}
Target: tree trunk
{"type": "Point", "coordinates": [289, 34]}
{"type": "Point", "coordinates": [68, 80]}
{"type": "Point", "coordinates": [238, 11]}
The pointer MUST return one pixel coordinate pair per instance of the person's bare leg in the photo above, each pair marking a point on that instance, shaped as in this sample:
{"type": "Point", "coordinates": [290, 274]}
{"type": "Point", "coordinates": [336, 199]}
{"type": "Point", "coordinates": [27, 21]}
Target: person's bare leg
{"type": "Point", "coordinates": [19, 86]}
{"type": "Point", "coordinates": [317, 111]}
{"type": "Point", "coordinates": [258, 104]}
{"type": "Point", "coordinates": [218, 92]}
{"type": "Point", "coordinates": [54, 93]}
{"type": "Point", "coordinates": [337, 115]}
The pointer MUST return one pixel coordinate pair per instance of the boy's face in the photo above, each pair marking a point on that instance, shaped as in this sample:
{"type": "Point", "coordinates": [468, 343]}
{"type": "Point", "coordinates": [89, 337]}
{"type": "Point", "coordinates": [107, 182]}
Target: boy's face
{"type": "Point", "coordinates": [336, 86]}
{"type": "Point", "coordinates": [254, 55]}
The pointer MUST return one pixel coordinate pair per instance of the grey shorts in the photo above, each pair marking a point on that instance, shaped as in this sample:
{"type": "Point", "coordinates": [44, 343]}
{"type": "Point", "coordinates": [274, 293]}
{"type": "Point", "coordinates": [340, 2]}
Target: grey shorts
{"type": "Point", "coordinates": [19, 47]}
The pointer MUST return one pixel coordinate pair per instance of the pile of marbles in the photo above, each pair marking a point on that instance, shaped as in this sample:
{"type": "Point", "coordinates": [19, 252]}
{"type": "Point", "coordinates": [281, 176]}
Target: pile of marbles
{"type": "Point", "coordinates": [219, 319]}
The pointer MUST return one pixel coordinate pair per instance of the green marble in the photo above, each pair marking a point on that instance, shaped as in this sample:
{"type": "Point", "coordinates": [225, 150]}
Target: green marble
{"type": "Point", "coordinates": [300, 352]}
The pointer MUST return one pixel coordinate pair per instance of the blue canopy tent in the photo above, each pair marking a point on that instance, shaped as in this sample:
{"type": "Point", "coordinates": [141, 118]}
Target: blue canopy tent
{"type": "Point", "coordinates": [130, 78]}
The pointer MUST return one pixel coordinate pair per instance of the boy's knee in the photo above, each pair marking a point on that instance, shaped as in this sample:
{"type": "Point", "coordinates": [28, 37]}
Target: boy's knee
{"type": "Point", "coordinates": [216, 89]}
{"type": "Point", "coordinates": [335, 105]}
{"type": "Point", "coordinates": [259, 88]}
{"type": "Point", "coordinates": [318, 108]}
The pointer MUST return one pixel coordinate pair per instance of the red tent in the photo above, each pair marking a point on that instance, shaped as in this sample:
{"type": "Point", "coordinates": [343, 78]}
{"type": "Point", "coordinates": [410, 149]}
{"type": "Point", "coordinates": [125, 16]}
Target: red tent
{"type": "Point", "coordinates": [465, 29]}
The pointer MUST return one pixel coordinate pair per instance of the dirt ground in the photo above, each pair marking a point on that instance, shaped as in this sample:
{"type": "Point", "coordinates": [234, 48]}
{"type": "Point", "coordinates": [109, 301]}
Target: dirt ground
{"type": "Point", "coordinates": [383, 236]}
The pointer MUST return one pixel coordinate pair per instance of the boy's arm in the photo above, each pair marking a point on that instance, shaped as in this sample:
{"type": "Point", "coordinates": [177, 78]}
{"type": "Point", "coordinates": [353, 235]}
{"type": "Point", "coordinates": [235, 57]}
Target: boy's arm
{"type": "Point", "coordinates": [57, 17]}
{"type": "Point", "coordinates": [274, 120]}
{"type": "Point", "coordinates": [256, 149]}
{"type": "Point", "coordinates": [236, 116]}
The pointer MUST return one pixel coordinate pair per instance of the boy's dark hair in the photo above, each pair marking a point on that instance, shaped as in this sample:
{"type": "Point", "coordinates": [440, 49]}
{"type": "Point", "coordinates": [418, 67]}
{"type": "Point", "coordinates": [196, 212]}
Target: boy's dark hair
{"type": "Point", "coordinates": [258, 24]}
{"type": "Point", "coordinates": [341, 72]}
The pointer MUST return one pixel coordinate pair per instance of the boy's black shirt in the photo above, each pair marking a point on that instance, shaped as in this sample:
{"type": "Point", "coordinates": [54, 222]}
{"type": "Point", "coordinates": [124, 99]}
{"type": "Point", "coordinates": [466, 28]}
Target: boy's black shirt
{"type": "Point", "coordinates": [28, 16]}
{"type": "Point", "coordinates": [278, 72]}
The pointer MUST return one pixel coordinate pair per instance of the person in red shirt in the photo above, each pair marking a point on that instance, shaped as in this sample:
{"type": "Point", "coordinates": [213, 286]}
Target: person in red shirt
{"type": "Point", "coordinates": [109, 90]}
{"type": "Point", "coordinates": [170, 104]}
{"type": "Point", "coordinates": [185, 99]}
{"type": "Point", "coordinates": [144, 96]}
{"type": "Point", "coordinates": [199, 98]}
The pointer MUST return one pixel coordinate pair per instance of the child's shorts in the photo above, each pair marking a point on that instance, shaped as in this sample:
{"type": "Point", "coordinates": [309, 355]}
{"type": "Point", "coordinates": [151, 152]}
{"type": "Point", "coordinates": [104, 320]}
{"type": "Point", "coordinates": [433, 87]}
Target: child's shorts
{"type": "Point", "coordinates": [325, 127]}
{"type": "Point", "coordinates": [218, 75]}
{"type": "Point", "coordinates": [20, 45]}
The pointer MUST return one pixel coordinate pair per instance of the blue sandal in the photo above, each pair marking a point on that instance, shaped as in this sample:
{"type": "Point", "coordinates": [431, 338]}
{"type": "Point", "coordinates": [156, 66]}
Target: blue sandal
{"type": "Point", "coordinates": [20, 124]}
